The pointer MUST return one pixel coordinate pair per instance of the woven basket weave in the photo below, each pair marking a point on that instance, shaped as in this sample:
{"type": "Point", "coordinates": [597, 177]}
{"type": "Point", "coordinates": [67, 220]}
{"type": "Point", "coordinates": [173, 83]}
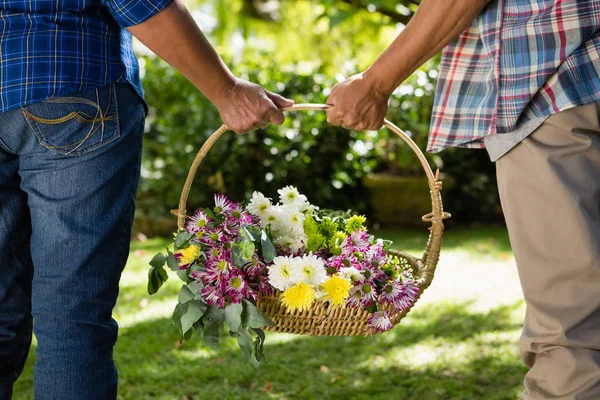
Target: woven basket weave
{"type": "Point", "coordinates": [321, 319]}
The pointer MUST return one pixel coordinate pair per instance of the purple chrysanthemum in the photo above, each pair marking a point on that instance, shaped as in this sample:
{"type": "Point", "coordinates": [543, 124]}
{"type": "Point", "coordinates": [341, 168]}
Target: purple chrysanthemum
{"type": "Point", "coordinates": [391, 292]}
{"type": "Point", "coordinates": [197, 222]}
{"type": "Point", "coordinates": [363, 294]}
{"type": "Point", "coordinates": [380, 321]}
{"type": "Point", "coordinates": [213, 296]}
{"type": "Point", "coordinates": [222, 204]}
{"type": "Point", "coordinates": [407, 298]}
{"type": "Point", "coordinates": [235, 287]}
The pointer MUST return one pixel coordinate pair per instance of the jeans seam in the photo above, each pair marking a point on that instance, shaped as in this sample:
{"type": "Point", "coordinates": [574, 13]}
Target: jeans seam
{"type": "Point", "coordinates": [115, 106]}
{"type": "Point", "coordinates": [4, 146]}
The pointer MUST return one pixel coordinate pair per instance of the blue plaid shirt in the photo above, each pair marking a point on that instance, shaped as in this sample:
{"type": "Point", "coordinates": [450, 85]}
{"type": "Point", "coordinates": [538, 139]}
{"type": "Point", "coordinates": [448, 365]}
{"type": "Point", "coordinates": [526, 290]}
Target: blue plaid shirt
{"type": "Point", "coordinates": [52, 48]}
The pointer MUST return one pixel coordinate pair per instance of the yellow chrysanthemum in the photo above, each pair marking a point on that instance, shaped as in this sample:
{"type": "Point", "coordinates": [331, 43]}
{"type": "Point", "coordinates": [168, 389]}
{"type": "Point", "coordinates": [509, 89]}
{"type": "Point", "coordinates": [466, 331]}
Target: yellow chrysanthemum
{"type": "Point", "coordinates": [337, 290]}
{"type": "Point", "coordinates": [298, 297]}
{"type": "Point", "coordinates": [188, 255]}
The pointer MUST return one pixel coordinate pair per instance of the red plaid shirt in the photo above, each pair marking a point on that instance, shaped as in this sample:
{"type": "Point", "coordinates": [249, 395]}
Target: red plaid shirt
{"type": "Point", "coordinates": [520, 60]}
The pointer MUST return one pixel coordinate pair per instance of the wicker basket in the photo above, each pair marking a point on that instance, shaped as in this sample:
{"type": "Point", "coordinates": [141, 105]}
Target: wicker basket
{"type": "Point", "coordinates": [321, 319]}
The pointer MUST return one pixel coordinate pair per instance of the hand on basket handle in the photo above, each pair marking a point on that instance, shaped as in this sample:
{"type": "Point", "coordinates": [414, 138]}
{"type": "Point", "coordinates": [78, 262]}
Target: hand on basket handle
{"type": "Point", "coordinates": [357, 104]}
{"type": "Point", "coordinates": [247, 106]}
{"type": "Point", "coordinates": [173, 35]}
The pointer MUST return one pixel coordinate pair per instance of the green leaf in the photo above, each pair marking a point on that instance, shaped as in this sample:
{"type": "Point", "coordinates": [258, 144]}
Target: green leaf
{"type": "Point", "coordinates": [267, 248]}
{"type": "Point", "coordinates": [158, 260]}
{"type": "Point", "coordinates": [253, 232]}
{"type": "Point", "coordinates": [162, 274]}
{"type": "Point", "coordinates": [172, 262]}
{"type": "Point", "coordinates": [258, 345]}
{"type": "Point", "coordinates": [214, 315]}
{"type": "Point", "coordinates": [194, 312]}
{"type": "Point", "coordinates": [233, 316]}
{"type": "Point", "coordinates": [387, 244]}
{"type": "Point", "coordinates": [185, 294]}
{"type": "Point", "coordinates": [246, 344]}
{"type": "Point", "coordinates": [242, 250]}
{"type": "Point", "coordinates": [156, 277]}
{"type": "Point", "coordinates": [178, 313]}
{"type": "Point", "coordinates": [268, 231]}
{"type": "Point", "coordinates": [210, 213]}
{"type": "Point", "coordinates": [183, 275]}
{"type": "Point", "coordinates": [253, 317]}
{"type": "Point", "coordinates": [196, 288]}
{"type": "Point", "coordinates": [182, 239]}
{"type": "Point", "coordinates": [154, 282]}
{"type": "Point", "coordinates": [211, 334]}
{"type": "Point", "coordinates": [188, 335]}
{"type": "Point", "coordinates": [372, 308]}
{"type": "Point", "coordinates": [199, 327]}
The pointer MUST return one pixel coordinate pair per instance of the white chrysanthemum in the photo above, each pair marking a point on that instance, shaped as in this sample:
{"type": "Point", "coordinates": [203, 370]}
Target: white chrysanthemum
{"type": "Point", "coordinates": [309, 269]}
{"type": "Point", "coordinates": [288, 195]}
{"type": "Point", "coordinates": [293, 222]}
{"type": "Point", "coordinates": [295, 244]}
{"type": "Point", "coordinates": [274, 217]}
{"type": "Point", "coordinates": [306, 207]}
{"type": "Point", "coordinates": [284, 241]}
{"type": "Point", "coordinates": [351, 273]}
{"type": "Point", "coordinates": [280, 273]}
{"type": "Point", "coordinates": [299, 243]}
{"type": "Point", "coordinates": [259, 204]}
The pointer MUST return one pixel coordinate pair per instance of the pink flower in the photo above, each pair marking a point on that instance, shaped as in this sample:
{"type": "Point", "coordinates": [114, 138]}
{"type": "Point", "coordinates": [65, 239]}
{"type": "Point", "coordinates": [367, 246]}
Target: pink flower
{"type": "Point", "coordinates": [197, 222]}
{"type": "Point", "coordinates": [362, 295]}
{"type": "Point", "coordinates": [407, 298]}
{"type": "Point", "coordinates": [235, 212]}
{"type": "Point", "coordinates": [254, 268]}
{"type": "Point", "coordinates": [211, 237]}
{"type": "Point", "coordinates": [236, 288]}
{"type": "Point", "coordinates": [390, 292]}
{"type": "Point", "coordinates": [213, 296]}
{"type": "Point", "coordinates": [264, 287]}
{"type": "Point", "coordinates": [357, 240]}
{"type": "Point", "coordinates": [380, 321]}
{"type": "Point", "coordinates": [214, 271]}
{"type": "Point", "coordinates": [222, 204]}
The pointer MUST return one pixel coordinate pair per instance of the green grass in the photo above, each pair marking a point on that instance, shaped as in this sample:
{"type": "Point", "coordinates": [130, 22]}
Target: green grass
{"type": "Point", "coordinates": [478, 242]}
{"type": "Point", "coordinates": [442, 350]}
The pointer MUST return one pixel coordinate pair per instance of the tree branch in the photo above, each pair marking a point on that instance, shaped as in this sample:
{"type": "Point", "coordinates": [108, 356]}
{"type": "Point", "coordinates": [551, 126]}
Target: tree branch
{"type": "Point", "coordinates": [393, 14]}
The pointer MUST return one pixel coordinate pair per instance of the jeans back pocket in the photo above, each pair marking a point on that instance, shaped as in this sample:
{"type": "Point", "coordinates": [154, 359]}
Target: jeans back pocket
{"type": "Point", "coordinates": [77, 123]}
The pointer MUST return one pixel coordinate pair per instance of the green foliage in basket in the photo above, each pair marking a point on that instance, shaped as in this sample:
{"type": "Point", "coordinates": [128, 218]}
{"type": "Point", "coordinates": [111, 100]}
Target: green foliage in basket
{"type": "Point", "coordinates": [228, 255]}
{"type": "Point", "coordinates": [193, 313]}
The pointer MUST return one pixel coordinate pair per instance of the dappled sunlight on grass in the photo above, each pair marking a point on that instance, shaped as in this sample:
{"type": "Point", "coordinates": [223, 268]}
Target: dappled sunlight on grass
{"type": "Point", "coordinates": [448, 347]}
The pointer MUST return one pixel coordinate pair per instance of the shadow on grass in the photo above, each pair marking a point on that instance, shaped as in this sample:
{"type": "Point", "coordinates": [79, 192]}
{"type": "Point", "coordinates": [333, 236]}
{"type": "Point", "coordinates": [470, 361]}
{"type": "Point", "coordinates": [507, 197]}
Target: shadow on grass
{"type": "Point", "coordinates": [438, 352]}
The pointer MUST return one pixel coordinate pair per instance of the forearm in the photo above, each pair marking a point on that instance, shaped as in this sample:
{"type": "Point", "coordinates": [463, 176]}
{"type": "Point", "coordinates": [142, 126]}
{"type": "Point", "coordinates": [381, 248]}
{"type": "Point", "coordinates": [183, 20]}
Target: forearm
{"type": "Point", "coordinates": [176, 38]}
{"type": "Point", "coordinates": [435, 24]}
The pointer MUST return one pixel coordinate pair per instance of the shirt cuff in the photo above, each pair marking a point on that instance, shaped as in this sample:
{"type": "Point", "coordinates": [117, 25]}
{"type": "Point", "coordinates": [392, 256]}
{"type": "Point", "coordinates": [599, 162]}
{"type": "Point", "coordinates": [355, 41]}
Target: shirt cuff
{"type": "Point", "coordinates": [133, 12]}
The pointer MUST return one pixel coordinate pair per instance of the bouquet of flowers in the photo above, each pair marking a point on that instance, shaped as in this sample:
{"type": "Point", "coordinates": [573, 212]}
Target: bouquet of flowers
{"type": "Point", "coordinates": [229, 255]}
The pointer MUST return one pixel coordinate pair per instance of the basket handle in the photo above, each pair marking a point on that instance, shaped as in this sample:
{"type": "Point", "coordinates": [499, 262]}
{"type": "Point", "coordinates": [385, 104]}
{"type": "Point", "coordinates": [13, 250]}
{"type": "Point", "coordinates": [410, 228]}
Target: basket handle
{"type": "Point", "coordinates": [430, 257]}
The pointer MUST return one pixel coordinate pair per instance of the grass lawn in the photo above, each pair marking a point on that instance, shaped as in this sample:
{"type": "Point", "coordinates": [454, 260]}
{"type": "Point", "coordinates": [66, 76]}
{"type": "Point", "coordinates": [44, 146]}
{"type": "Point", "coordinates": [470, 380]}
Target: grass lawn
{"type": "Point", "coordinates": [459, 342]}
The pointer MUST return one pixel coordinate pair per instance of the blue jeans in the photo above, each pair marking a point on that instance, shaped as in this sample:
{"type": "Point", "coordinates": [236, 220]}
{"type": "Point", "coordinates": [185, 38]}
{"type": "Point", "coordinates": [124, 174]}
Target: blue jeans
{"type": "Point", "coordinates": [69, 170]}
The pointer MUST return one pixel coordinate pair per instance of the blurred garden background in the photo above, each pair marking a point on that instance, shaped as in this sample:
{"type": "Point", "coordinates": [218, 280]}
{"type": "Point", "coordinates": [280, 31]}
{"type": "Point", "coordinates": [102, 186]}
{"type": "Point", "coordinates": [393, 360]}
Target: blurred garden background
{"type": "Point", "coordinates": [460, 341]}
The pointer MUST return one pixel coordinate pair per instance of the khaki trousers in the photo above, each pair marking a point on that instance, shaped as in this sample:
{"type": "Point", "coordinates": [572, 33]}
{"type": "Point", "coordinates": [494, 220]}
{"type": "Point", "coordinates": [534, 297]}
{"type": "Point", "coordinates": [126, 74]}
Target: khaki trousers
{"type": "Point", "coordinates": [550, 193]}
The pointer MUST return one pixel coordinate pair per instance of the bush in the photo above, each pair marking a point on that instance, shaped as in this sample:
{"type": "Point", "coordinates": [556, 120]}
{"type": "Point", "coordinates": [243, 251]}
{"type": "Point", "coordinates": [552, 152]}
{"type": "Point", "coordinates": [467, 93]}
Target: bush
{"type": "Point", "coordinates": [305, 151]}
{"type": "Point", "coordinates": [327, 163]}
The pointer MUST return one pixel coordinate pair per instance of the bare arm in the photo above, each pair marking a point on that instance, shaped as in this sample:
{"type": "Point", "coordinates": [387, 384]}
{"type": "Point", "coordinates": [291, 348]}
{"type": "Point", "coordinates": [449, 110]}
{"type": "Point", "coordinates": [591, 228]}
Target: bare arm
{"type": "Point", "coordinates": [174, 36]}
{"type": "Point", "coordinates": [361, 101]}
